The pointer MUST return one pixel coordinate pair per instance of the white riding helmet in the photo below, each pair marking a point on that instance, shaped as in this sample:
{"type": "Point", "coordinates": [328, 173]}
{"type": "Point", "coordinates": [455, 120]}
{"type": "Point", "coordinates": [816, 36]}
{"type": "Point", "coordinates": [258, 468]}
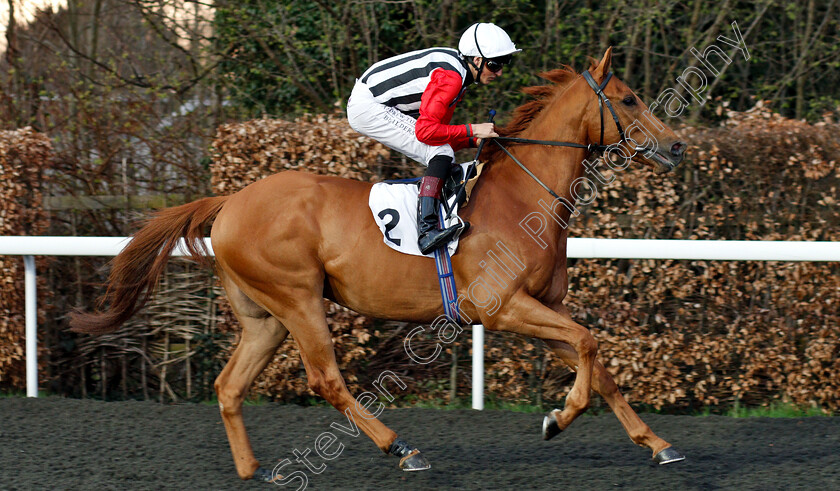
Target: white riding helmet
{"type": "Point", "coordinates": [486, 40]}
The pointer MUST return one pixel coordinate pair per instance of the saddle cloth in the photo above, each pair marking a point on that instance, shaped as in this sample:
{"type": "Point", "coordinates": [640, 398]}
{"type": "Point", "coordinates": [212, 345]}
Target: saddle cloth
{"type": "Point", "coordinates": [394, 208]}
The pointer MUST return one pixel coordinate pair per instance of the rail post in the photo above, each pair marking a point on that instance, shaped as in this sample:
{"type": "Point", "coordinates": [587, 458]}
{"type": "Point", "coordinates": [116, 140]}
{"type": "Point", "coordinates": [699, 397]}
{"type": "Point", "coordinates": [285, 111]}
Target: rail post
{"type": "Point", "coordinates": [31, 299]}
{"type": "Point", "coordinates": [478, 367]}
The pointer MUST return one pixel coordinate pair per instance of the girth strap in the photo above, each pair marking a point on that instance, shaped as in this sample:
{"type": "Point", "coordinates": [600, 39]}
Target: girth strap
{"type": "Point", "coordinates": [446, 281]}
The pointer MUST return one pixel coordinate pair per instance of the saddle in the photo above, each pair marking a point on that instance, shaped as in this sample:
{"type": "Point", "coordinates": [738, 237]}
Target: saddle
{"type": "Point", "coordinates": [454, 183]}
{"type": "Point", "coordinates": [394, 207]}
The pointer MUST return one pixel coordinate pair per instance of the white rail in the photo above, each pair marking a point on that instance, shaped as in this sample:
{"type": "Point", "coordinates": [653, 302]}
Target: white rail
{"type": "Point", "coordinates": [71, 246]}
{"type": "Point", "coordinates": [704, 250]}
{"type": "Point", "coordinates": [699, 250]}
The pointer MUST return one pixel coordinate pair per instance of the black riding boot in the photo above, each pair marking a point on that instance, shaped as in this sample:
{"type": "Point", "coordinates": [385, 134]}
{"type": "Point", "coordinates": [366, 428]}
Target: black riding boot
{"type": "Point", "coordinates": [430, 236]}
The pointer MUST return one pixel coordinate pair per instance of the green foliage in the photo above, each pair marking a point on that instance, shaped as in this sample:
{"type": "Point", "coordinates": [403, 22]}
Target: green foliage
{"type": "Point", "coordinates": [7, 394]}
{"type": "Point", "coordinates": [288, 57]}
{"type": "Point", "coordinates": [490, 404]}
{"type": "Point", "coordinates": [293, 56]}
{"type": "Point", "coordinates": [253, 400]}
{"type": "Point", "coordinates": [773, 410]}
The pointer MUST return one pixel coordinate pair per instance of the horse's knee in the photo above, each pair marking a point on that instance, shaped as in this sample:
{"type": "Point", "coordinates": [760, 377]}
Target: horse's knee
{"type": "Point", "coordinates": [315, 385]}
{"type": "Point", "coordinates": [230, 398]}
{"type": "Point", "coordinates": [607, 386]}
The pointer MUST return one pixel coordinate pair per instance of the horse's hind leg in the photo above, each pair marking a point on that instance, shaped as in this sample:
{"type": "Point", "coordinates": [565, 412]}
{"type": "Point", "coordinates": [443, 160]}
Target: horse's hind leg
{"type": "Point", "coordinates": [262, 334]}
{"type": "Point", "coordinates": [306, 320]}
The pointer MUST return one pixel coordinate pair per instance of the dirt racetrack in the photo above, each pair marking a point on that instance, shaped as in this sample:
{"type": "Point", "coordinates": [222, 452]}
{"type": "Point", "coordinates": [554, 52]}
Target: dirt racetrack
{"type": "Point", "coordinates": [53, 443]}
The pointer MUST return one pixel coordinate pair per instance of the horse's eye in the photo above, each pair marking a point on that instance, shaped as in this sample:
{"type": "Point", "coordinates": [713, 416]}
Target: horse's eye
{"type": "Point", "coordinates": [629, 100]}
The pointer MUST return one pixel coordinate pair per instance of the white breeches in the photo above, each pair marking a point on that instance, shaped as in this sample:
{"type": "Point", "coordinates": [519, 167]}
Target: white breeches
{"type": "Point", "coordinates": [389, 126]}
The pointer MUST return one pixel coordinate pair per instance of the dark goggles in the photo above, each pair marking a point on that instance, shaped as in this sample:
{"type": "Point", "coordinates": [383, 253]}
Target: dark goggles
{"type": "Point", "coordinates": [496, 64]}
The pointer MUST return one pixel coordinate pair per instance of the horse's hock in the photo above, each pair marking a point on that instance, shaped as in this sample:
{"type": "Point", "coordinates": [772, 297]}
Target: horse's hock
{"type": "Point", "coordinates": [24, 155]}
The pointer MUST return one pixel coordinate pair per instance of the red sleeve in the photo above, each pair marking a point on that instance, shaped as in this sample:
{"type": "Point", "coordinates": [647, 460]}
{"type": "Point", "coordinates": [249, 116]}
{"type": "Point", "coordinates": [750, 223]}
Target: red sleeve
{"type": "Point", "coordinates": [436, 108]}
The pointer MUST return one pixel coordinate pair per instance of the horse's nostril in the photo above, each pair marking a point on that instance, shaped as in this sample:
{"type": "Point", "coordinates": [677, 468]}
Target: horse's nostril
{"type": "Point", "coordinates": [677, 149]}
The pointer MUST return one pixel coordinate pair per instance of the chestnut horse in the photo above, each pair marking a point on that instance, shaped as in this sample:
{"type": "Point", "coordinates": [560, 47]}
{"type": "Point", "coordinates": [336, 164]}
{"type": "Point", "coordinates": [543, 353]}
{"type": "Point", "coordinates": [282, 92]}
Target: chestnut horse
{"type": "Point", "coordinates": [284, 243]}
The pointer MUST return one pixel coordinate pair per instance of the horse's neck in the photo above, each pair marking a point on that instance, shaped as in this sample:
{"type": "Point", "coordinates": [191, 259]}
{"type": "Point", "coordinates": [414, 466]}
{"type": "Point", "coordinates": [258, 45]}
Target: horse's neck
{"type": "Point", "coordinates": [506, 198]}
{"type": "Point", "coordinates": [560, 120]}
{"type": "Point", "coordinates": [557, 167]}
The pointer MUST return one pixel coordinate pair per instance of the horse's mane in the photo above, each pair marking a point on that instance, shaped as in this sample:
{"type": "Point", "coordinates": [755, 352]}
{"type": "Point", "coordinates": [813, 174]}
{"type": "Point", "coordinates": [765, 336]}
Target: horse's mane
{"type": "Point", "coordinates": [524, 114]}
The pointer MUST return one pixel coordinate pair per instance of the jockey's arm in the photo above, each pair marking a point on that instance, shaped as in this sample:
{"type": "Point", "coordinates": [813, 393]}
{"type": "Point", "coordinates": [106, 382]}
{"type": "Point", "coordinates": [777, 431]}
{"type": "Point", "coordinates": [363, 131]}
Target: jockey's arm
{"type": "Point", "coordinates": [436, 108]}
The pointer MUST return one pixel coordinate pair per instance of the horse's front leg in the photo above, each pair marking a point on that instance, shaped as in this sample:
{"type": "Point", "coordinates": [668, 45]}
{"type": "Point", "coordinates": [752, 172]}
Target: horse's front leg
{"type": "Point", "coordinates": [526, 315]}
{"type": "Point", "coordinates": [603, 384]}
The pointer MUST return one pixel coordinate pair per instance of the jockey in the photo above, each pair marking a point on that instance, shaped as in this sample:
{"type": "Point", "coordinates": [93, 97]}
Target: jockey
{"type": "Point", "coordinates": [407, 101]}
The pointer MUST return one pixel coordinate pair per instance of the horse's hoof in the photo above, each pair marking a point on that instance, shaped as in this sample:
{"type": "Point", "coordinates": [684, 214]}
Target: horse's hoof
{"type": "Point", "coordinates": [550, 428]}
{"type": "Point", "coordinates": [668, 456]}
{"type": "Point", "coordinates": [410, 458]}
{"type": "Point", "coordinates": [263, 475]}
{"type": "Point", "coordinates": [414, 461]}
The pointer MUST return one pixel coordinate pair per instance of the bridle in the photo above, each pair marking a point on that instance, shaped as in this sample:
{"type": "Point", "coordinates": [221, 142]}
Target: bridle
{"type": "Point", "coordinates": [603, 100]}
{"type": "Point", "coordinates": [599, 148]}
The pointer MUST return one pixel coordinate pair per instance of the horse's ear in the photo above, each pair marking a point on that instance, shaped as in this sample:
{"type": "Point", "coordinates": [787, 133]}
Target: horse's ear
{"type": "Point", "coordinates": [603, 67]}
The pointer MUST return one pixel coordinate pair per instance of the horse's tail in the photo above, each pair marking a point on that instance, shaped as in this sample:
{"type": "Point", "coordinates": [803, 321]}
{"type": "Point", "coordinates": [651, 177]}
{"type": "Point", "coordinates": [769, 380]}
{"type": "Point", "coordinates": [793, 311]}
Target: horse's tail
{"type": "Point", "coordinates": [136, 270]}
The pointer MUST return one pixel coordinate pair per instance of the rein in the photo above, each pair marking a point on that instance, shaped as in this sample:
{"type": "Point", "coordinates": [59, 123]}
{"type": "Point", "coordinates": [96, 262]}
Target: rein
{"type": "Point", "coordinates": [598, 148]}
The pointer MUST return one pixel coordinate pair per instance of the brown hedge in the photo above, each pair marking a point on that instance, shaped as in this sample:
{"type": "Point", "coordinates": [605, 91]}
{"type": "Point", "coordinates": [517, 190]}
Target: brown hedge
{"type": "Point", "coordinates": [246, 152]}
{"type": "Point", "coordinates": [24, 157]}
